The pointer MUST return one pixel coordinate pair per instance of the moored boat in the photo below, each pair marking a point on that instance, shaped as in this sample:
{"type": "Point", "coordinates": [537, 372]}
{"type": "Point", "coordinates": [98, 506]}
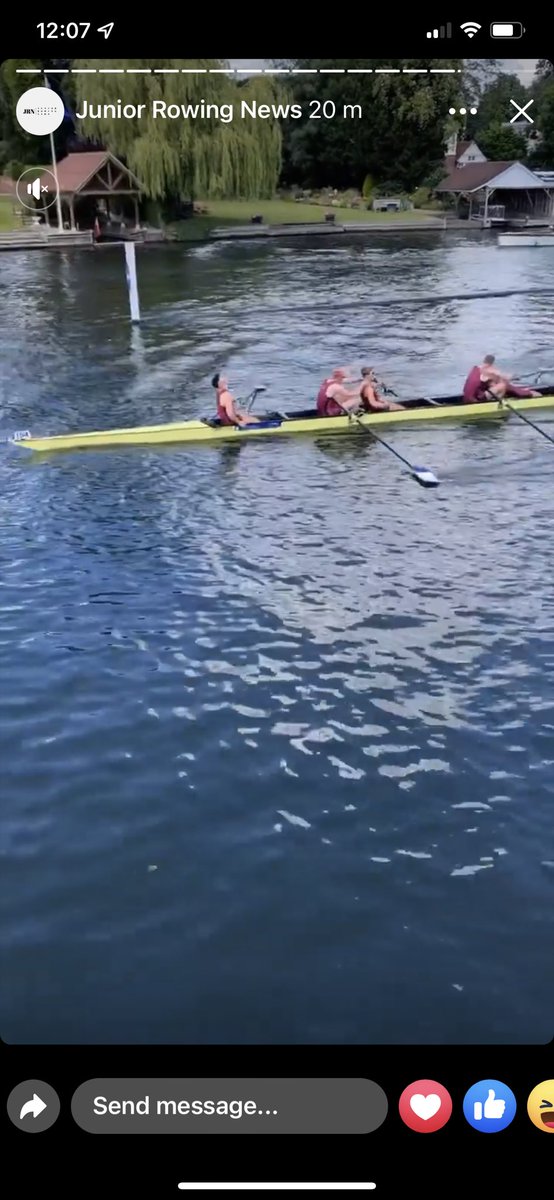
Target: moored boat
{"type": "Point", "coordinates": [281, 424]}
{"type": "Point", "coordinates": [527, 239]}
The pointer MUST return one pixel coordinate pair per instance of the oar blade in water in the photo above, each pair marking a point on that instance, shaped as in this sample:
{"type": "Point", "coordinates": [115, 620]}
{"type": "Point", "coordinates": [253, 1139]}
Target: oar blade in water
{"type": "Point", "coordinates": [425, 477]}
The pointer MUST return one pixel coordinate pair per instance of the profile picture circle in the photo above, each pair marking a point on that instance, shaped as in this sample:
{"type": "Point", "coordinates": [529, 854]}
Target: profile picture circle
{"type": "Point", "coordinates": [40, 111]}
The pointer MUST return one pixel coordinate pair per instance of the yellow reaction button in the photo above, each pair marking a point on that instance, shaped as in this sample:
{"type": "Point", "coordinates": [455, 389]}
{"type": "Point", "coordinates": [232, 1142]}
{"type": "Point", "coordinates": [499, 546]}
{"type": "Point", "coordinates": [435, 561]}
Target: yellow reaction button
{"type": "Point", "coordinates": [540, 1106]}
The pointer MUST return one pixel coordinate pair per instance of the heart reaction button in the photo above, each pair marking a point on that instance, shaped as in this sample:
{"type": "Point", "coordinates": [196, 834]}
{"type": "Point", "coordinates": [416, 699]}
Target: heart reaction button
{"type": "Point", "coordinates": [425, 1106]}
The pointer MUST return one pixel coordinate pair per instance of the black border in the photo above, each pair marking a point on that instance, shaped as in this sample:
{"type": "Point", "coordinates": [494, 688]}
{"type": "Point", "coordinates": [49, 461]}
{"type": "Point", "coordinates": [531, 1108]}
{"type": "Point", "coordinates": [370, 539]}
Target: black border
{"type": "Point", "coordinates": [254, 30]}
{"type": "Point", "coordinates": [456, 1160]}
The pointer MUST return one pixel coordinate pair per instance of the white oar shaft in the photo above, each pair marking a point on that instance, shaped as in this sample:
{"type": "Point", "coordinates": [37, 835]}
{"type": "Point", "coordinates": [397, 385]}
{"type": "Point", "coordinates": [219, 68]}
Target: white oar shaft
{"type": "Point", "coordinates": [423, 475]}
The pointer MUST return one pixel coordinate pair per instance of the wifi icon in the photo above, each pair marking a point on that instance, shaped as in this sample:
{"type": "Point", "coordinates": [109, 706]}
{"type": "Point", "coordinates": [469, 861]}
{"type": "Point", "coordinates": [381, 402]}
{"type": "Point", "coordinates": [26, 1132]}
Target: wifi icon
{"type": "Point", "coordinates": [470, 28]}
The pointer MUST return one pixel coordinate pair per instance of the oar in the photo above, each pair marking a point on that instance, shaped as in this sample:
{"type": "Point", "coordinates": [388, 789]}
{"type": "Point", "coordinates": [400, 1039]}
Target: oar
{"type": "Point", "coordinates": [522, 417]}
{"type": "Point", "coordinates": [423, 475]}
{"type": "Point", "coordinates": [387, 391]}
{"type": "Point", "coordinates": [535, 378]}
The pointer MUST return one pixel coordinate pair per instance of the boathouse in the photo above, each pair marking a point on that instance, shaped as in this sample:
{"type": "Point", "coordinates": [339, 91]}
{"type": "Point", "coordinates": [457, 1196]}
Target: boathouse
{"type": "Point", "coordinates": [95, 190]}
{"type": "Point", "coordinates": [499, 193]}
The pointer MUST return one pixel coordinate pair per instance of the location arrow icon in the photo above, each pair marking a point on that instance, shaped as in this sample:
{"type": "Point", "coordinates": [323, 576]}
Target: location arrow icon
{"type": "Point", "coordinates": [34, 1106]}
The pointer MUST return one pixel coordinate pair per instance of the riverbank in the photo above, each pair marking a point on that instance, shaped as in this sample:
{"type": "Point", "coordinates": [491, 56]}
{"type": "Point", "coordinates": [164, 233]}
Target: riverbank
{"type": "Point", "coordinates": [8, 220]}
{"type": "Point", "coordinates": [40, 238]}
{"type": "Point", "coordinates": [254, 218]}
{"type": "Point", "coordinates": [234, 220]}
{"type": "Point", "coordinates": [307, 229]}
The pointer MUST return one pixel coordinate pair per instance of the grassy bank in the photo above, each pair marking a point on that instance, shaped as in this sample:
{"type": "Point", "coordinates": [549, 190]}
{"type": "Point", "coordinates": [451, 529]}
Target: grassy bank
{"type": "Point", "coordinates": [8, 219]}
{"type": "Point", "coordinates": [285, 212]}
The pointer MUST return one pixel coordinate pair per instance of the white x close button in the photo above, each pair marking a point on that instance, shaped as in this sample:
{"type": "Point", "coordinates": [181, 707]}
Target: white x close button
{"type": "Point", "coordinates": [522, 112]}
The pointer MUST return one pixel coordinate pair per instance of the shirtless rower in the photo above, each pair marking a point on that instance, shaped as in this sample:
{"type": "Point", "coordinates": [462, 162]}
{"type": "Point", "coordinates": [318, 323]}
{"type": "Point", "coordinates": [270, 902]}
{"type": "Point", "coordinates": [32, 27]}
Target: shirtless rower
{"type": "Point", "coordinates": [369, 396]}
{"type": "Point", "coordinates": [227, 410]}
{"type": "Point", "coordinates": [333, 397]}
{"type": "Point", "coordinates": [486, 382]}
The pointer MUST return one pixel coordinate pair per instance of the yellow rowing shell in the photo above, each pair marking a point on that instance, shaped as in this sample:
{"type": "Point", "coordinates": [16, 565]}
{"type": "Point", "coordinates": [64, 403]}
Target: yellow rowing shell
{"type": "Point", "coordinates": [279, 425]}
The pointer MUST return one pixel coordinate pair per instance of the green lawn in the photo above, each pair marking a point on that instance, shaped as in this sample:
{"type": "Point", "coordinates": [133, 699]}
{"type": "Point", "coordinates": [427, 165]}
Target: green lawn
{"type": "Point", "coordinates": [8, 220]}
{"type": "Point", "coordinates": [285, 212]}
{"type": "Point", "coordinates": [282, 212]}
{"type": "Point", "coordinates": [237, 212]}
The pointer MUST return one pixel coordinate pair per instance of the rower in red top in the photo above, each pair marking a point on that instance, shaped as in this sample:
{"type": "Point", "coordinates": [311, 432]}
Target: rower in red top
{"type": "Point", "coordinates": [333, 398]}
{"type": "Point", "coordinates": [486, 382]}
{"type": "Point", "coordinates": [369, 396]}
{"type": "Point", "coordinates": [227, 410]}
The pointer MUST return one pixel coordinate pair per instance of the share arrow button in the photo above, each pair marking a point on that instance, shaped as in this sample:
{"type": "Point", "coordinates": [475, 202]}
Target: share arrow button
{"type": "Point", "coordinates": [33, 1106]}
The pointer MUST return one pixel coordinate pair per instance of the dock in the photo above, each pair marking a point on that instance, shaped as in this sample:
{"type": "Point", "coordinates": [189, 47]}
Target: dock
{"type": "Point", "coordinates": [447, 223]}
{"type": "Point", "coordinates": [325, 228]}
{"type": "Point", "coordinates": [40, 237]}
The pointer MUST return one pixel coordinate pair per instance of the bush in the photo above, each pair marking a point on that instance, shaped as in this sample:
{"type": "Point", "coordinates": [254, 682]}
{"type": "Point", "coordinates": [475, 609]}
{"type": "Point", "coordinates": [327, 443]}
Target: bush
{"type": "Point", "coordinates": [367, 189]}
{"type": "Point", "coordinates": [390, 187]}
{"type": "Point", "coordinates": [14, 169]}
{"type": "Point", "coordinates": [435, 177]}
{"type": "Point", "coordinates": [421, 198]}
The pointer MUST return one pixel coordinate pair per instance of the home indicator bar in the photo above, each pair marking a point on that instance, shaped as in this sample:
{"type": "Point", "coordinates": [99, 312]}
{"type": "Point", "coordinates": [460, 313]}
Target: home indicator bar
{"type": "Point", "coordinates": [276, 1187]}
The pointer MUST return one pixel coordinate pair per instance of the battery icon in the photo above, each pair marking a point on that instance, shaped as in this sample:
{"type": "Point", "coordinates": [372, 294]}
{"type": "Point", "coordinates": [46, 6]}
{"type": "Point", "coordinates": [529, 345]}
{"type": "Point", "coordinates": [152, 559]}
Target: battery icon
{"type": "Point", "coordinates": [507, 29]}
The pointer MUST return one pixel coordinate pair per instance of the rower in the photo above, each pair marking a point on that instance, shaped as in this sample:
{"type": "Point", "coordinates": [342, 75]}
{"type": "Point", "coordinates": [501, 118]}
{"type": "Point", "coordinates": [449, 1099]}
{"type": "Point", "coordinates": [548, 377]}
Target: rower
{"type": "Point", "coordinates": [227, 411]}
{"type": "Point", "coordinates": [486, 382]}
{"type": "Point", "coordinates": [369, 396]}
{"type": "Point", "coordinates": [333, 398]}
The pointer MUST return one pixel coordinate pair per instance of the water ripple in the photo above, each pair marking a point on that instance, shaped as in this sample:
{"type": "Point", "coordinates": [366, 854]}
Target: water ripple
{"type": "Point", "coordinates": [255, 696]}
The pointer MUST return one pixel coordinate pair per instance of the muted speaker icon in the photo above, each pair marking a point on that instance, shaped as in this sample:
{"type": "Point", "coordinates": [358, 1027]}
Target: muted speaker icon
{"type": "Point", "coordinates": [33, 189]}
{"type": "Point", "coordinates": [42, 188]}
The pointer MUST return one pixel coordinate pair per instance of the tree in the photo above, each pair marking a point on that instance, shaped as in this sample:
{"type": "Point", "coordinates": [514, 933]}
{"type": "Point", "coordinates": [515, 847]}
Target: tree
{"type": "Point", "coordinates": [543, 155]}
{"type": "Point", "coordinates": [544, 74]}
{"type": "Point", "coordinates": [500, 143]}
{"type": "Point", "coordinates": [15, 144]}
{"type": "Point", "coordinates": [494, 106]}
{"type": "Point", "coordinates": [398, 138]}
{"type": "Point", "coordinates": [478, 74]}
{"type": "Point", "coordinates": [195, 156]}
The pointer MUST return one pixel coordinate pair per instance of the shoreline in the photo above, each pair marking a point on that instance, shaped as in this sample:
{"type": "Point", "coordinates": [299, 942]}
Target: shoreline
{"type": "Point", "coordinates": [78, 240]}
{"type": "Point", "coordinates": [326, 229]}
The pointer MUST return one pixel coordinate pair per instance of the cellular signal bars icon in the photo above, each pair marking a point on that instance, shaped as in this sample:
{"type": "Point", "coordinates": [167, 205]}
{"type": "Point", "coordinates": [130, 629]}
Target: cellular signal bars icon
{"type": "Point", "coordinates": [444, 31]}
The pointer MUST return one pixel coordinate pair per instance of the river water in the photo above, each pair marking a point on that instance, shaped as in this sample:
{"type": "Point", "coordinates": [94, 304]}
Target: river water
{"type": "Point", "coordinates": [277, 726]}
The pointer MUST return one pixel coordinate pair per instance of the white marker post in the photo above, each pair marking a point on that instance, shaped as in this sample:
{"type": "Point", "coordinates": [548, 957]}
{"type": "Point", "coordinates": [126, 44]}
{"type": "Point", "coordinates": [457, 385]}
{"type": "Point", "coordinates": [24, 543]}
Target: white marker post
{"type": "Point", "coordinates": [131, 273]}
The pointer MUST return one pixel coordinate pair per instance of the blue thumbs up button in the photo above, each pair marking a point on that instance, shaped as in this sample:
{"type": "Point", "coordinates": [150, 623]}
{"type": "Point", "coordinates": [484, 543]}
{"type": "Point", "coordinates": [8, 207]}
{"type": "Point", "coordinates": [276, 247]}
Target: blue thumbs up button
{"type": "Point", "coordinates": [489, 1106]}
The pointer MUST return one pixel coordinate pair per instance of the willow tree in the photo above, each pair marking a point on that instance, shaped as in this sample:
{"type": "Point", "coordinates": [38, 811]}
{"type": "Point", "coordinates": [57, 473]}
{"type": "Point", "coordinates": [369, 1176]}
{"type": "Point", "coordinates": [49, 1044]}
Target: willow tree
{"type": "Point", "coordinates": [202, 156]}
